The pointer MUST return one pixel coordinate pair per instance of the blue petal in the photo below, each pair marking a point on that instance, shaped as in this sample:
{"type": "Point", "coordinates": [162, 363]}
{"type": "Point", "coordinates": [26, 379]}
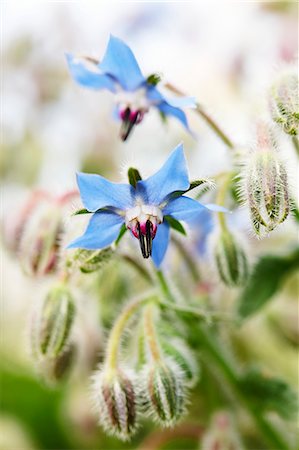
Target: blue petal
{"type": "Point", "coordinates": [216, 208]}
{"type": "Point", "coordinates": [97, 192]}
{"type": "Point", "coordinates": [160, 243]}
{"type": "Point", "coordinates": [173, 176]}
{"type": "Point", "coordinates": [169, 110]}
{"type": "Point", "coordinates": [183, 208]}
{"type": "Point", "coordinates": [182, 102]}
{"type": "Point", "coordinates": [119, 62]}
{"type": "Point", "coordinates": [88, 75]}
{"type": "Point", "coordinates": [102, 230]}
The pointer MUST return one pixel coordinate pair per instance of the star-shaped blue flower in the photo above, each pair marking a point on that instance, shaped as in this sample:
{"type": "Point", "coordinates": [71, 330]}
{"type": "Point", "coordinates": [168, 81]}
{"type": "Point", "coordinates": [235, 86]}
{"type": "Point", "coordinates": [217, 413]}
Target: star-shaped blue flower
{"type": "Point", "coordinates": [146, 209]}
{"type": "Point", "coordinates": [134, 94]}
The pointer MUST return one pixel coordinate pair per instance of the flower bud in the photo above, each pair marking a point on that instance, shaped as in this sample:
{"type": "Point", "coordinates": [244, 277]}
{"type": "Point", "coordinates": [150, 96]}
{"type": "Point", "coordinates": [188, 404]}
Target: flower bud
{"type": "Point", "coordinates": [177, 349]}
{"type": "Point", "coordinates": [221, 434]}
{"type": "Point", "coordinates": [266, 186]}
{"type": "Point", "coordinates": [52, 323]}
{"type": "Point", "coordinates": [231, 260]}
{"type": "Point", "coordinates": [163, 392]}
{"type": "Point", "coordinates": [284, 103]}
{"type": "Point", "coordinates": [55, 369]}
{"type": "Point", "coordinates": [115, 402]}
{"type": "Point", "coordinates": [90, 261]}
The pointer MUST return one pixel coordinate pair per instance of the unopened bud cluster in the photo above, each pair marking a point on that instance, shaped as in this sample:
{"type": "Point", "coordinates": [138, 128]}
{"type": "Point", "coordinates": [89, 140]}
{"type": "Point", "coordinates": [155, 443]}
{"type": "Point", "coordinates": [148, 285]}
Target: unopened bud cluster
{"type": "Point", "coordinates": [265, 188]}
{"type": "Point", "coordinates": [231, 259]}
{"type": "Point", "coordinates": [284, 103]}
{"type": "Point", "coordinates": [51, 332]}
{"type": "Point", "coordinates": [158, 387]}
{"type": "Point", "coordinates": [89, 261]}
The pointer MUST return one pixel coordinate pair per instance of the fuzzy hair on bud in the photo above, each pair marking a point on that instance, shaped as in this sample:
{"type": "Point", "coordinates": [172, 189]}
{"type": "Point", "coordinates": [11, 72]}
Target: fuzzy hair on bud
{"type": "Point", "coordinates": [90, 261]}
{"type": "Point", "coordinates": [265, 185]}
{"type": "Point", "coordinates": [284, 103]}
{"type": "Point", "coordinates": [231, 260]}
{"type": "Point", "coordinates": [115, 400]}
{"type": "Point", "coordinates": [56, 369]}
{"type": "Point", "coordinates": [163, 392]}
{"type": "Point", "coordinates": [52, 323]}
{"type": "Point", "coordinates": [179, 351]}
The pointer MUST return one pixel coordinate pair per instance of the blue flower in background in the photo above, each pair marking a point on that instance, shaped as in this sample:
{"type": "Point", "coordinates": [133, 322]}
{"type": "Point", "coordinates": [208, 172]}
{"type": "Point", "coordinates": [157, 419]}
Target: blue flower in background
{"type": "Point", "coordinates": [134, 94]}
{"type": "Point", "coordinates": [146, 209]}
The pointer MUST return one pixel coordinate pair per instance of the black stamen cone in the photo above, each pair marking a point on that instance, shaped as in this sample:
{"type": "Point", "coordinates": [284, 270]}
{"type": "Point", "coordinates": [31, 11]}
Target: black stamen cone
{"type": "Point", "coordinates": [127, 124]}
{"type": "Point", "coordinates": [145, 241]}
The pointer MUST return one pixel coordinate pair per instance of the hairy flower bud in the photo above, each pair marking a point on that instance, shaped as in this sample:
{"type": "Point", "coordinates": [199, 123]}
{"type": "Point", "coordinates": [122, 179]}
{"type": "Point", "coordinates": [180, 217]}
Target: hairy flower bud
{"type": "Point", "coordinates": [163, 392]}
{"type": "Point", "coordinates": [55, 369]}
{"type": "Point", "coordinates": [221, 434]}
{"type": "Point", "coordinates": [52, 323]}
{"type": "Point", "coordinates": [115, 402]}
{"type": "Point", "coordinates": [90, 261]}
{"type": "Point", "coordinates": [284, 103]}
{"type": "Point", "coordinates": [230, 258]}
{"type": "Point", "coordinates": [265, 187]}
{"type": "Point", "coordinates": [177, 349]}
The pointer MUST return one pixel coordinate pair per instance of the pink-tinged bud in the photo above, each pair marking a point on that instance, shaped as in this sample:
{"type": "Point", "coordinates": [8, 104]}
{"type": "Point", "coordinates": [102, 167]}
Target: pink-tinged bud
{"type": "Point", "coordinates": [284, 103]}
{"type": "Point", "coordinates": [265, 188]}
{"type": "Point", "coordinates": [36, 236]}
{"type": "Point", "coordinates": [163, 392]}
{"type": "Point", "coordinates": [221, 434]}
{"type": "Point", "coordinates": [55, 369]}
{"type": "Point", "coordinates": [115, 402]}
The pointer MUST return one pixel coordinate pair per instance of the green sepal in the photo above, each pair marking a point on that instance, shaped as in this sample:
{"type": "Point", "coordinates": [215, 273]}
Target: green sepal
{"type": "Point", "coordinates": [121, 233]}
{"type": "Point", "coordinates": [194, 184]}
{"type": "Point", "coordinates": [153, 79]}
{"type": "Point", "coordinates": [133, 176]}
{"type": "Point", "coordinates": [81, 211]}
{"type": "Point", "coordinates": [175, 224]}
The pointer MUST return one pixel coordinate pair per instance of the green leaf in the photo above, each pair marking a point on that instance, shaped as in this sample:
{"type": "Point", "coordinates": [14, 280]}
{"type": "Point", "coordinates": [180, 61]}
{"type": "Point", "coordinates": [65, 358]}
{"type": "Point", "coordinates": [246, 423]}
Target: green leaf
{"type": "Point", "coordinates": [121, 233]}
{"type": "Point", "coordinates": [81, 211]}
{"type": "Point", "coordinates": [269, 393]}
{"type": "Point", "coordinates": [153, 79]}
{"type": "Point", "coordinates": [133, 176]}
{"type": "Point", "coordinates": [265, 280]}
{"type": "Point", "coordinates": [175, 224]}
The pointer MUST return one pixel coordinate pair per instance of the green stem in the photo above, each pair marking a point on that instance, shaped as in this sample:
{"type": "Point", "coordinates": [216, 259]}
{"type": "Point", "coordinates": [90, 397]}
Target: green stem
{"type": "Point", "coordinates": [213, 351]}
{"type": "Point", "coordinates": [220, 199]}
{"type": "Point", "coordinates": [118, 329]}
{"type": "Point", "coordinates": [211, 122]}
{"type": "Point", "coordinates": [296, 144]}
{"type": "Point", "coordinates": [164, 287]}
{"type": "Point", "coordinates": [150, 333]}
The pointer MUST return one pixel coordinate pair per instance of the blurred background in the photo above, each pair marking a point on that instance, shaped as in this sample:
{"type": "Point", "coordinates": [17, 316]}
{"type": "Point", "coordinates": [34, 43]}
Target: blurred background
{"type": "Point", "coordinates": [227, 54]}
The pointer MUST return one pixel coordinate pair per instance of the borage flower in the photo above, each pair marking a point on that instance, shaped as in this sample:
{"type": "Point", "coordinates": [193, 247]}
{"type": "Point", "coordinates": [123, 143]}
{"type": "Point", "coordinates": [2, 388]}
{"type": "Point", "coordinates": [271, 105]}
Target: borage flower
{"type": "Point", "coordinates": [148, 208]}
{"type": "Point", "coordinates": [134, 94]}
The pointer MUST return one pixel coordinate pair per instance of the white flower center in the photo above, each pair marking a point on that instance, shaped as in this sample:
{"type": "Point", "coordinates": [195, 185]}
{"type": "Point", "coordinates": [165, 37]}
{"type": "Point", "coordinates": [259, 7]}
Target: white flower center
{"type": "Point", "coordinates": [135, 101]}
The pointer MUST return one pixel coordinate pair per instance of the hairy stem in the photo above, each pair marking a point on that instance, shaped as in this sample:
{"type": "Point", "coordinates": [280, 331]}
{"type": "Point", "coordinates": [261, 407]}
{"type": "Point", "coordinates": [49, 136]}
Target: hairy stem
{"type": "Point", "coordinates": [118, 329]}
{"type": "Point", "coordinates": [295, 141]}
{"type": "Point", "coordinates": [220, 199]}
{"type": "Point", "coordinates": [150, 332]}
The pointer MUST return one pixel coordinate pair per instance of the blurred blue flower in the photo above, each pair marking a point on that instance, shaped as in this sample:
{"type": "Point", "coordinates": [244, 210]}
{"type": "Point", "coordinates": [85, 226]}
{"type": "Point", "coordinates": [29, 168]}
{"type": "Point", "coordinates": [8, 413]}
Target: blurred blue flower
{"type": "Point", "coordinates": [134, 94]}
{"type": "Point", "coordinates": [144, 209]}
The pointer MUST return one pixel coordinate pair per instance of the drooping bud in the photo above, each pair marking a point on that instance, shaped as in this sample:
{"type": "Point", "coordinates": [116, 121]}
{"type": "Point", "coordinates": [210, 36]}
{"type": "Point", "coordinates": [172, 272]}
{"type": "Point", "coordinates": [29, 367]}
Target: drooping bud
{"type": "Point", "coordinates": [178, 350]}
{"type": "Point", "coordinates": [230, 258]}
{"type": "Point", "coordinates": [163, 392]}
{"type": "Point", "coordinates": [221, 434]}
{"type": "Point", "coordinates": [284, 103]}
{"type": "Point", "coordinates": [266, 188]}
{"type": "Point", "coordinates": [90, 261]}
{"type": "Point", "coordinates": [56, 369]}
{"type": "Point", "coordinates": [52, 323]}
{"type": "Point", "coordinates": [115, 402]}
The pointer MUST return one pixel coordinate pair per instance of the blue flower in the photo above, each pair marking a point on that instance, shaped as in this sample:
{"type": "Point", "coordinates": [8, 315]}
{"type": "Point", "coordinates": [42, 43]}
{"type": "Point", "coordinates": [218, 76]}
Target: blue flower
{"type": "Point", "coordinates": [134, 94]}
{"type": "Point", "coordinates": [146, 209]}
